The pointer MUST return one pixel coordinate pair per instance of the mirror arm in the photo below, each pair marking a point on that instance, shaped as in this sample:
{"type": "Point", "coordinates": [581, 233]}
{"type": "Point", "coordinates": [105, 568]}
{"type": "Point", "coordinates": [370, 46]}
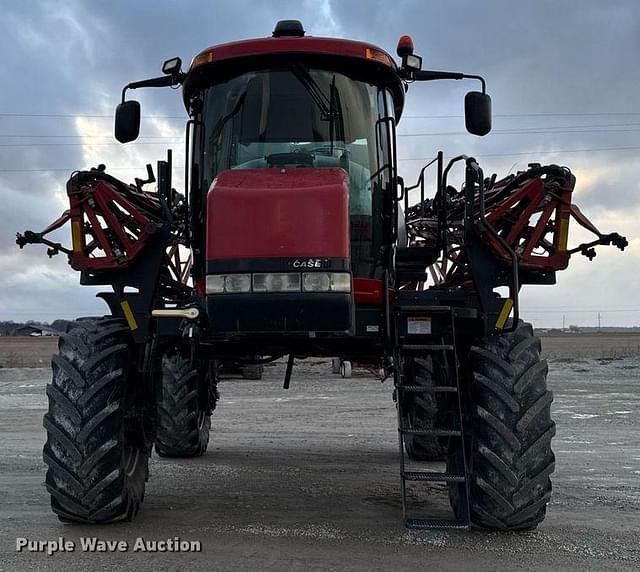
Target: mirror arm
{"type": "Point", "coordinates": [479, 78]}
{"type": "Point", "coordinates": [162, 81]}
{"type": "Point", "coordinates": [426, 75]}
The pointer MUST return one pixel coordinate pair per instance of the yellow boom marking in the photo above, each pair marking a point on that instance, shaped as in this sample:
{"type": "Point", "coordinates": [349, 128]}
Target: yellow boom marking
{"type": "Point", "coordinates": [76, 236]}
{"type": "Point", "coordinates": [563, 237]}
{"type": "Point", "coordinates": [128, 314]}
{"type": "Point", "coordinates": [504, 313]}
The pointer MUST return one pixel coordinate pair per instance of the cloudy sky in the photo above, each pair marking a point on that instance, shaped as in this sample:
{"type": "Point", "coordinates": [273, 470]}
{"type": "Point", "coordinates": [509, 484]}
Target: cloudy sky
{"type": "Point", "coordinates": [563, 75]}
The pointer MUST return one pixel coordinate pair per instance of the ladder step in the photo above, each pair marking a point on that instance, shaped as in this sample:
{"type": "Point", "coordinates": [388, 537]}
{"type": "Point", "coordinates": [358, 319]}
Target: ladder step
{"type": "Point", "coordinates": [431, 432]}
{"type": "Point", "coordinates": [427, 389]}
{"type": "Point", "coordinates": [422, 523]}
{"type": "Point", "coordinates": [432, 476]}
{"type": "Point", "coordinates": [425, 347]}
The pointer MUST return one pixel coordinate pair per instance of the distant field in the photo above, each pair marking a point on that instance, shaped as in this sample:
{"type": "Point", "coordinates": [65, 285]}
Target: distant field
{"type": "Point", "coordinates": [26, 351]}
{"type": "Point", "coordinates": [592, 345]}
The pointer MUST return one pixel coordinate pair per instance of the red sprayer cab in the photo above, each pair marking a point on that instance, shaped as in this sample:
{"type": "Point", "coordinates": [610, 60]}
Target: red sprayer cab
{"type": "Point", "coordinates": [296, 136]}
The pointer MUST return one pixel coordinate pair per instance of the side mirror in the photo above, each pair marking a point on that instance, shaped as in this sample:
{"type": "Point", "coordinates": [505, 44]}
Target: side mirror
{"type": "Point", "coordinates": [477, 113]}
{"type": "Point", "coordinates": [127, 126]}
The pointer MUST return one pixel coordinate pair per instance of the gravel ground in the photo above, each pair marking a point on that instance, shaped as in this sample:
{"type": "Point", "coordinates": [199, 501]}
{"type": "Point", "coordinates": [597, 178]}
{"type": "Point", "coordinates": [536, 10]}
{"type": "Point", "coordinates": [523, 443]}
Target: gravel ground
{"type": "Point", "coordinates": [307, 479]}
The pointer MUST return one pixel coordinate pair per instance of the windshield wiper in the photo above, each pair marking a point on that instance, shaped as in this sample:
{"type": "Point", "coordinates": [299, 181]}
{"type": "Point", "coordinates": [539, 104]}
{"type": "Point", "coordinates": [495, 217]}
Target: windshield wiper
{"type": "Point", "coordinates": [313, 89]}
{"type": "Point", "coordinates": [330, 107]}
{"type": "Point", "coordinates": [219, 126]}
{"type": "Point", "coordinates": [336, 122]}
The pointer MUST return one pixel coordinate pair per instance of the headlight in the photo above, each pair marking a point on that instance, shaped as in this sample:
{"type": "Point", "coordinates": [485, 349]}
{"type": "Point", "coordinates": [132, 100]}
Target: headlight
{"type": "Point", "coordinates": [316, 282]}
{"type": "Point", "coordinates": [237, 283]}
{"type": "Point", "coordinates": [277, 282]}
{"type": "Point", "coordinates": [228, 283]}
{"type": "Point", "coordinates": [326, 282]}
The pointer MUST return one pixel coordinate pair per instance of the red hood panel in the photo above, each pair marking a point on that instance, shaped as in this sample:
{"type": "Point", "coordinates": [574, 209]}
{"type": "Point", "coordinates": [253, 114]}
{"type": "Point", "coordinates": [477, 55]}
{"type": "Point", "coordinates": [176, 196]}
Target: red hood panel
{"type": "Point", "coordinates": [278, 213]}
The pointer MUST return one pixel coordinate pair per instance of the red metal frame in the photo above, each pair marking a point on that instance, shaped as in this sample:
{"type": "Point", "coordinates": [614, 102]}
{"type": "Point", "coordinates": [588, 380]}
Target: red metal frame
{"type": "Point", "coordinates": [120, 235]}
{"type": "Point", "coordinates": [527, 214]}
{"type": "Point", "coordinates": [109, 226]}
{"type": "Point", "coordinates": [513, 218]}
{"type": "Point", "coordinates": [541, 244]}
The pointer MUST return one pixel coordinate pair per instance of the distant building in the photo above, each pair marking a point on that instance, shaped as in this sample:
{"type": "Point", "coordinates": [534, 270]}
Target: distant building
{"type": "Point", "coordinates": [35, 331]}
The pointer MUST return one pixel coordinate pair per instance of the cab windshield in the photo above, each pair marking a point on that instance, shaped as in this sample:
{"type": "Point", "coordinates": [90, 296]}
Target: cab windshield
{"type": "Point", "coordinates": [293, 115]}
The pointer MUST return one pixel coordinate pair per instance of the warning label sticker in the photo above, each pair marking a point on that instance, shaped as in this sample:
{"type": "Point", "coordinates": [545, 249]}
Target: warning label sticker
{"type": "Point", "coordinates": [420, 325]}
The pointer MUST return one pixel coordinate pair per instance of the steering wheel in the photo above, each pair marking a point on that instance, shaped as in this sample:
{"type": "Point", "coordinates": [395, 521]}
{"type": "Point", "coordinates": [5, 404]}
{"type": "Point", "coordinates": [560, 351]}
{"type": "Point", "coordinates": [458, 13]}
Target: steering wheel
{"type": "Point", "coordinates": [327, 148]}
{"type": "Point", "coordinates": [303, 158]}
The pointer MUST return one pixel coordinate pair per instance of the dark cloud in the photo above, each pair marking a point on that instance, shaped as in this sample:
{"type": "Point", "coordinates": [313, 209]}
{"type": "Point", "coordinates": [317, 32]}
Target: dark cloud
{"type": "Point", "coordinates": [562, 56]}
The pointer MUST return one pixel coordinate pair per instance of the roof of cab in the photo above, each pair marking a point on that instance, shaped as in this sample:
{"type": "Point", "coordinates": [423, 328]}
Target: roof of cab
{"type": "Point", "coordinates": [258, 48]}
{"type": "Point", "coordinates": [292, 45]}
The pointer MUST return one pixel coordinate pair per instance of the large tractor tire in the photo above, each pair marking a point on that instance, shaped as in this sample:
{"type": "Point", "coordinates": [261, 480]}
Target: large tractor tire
{"type": "Point", "coordinates": [509, 454]}
{"type": "Point", "coordinates": [422, 410]}
{"type": "Point", "coordinates": [184, 408]}
{"type": "Point", "coordinates": [96, 451]}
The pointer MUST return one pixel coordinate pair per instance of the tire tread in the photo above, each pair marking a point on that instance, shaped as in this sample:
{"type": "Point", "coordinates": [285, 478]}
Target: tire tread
{"type": "Point", "coordinates": [510, 458]}
{"type": "Point", "coordinates": [182, 431]}
{"type": "Point", "coordinates": [85, 425]}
